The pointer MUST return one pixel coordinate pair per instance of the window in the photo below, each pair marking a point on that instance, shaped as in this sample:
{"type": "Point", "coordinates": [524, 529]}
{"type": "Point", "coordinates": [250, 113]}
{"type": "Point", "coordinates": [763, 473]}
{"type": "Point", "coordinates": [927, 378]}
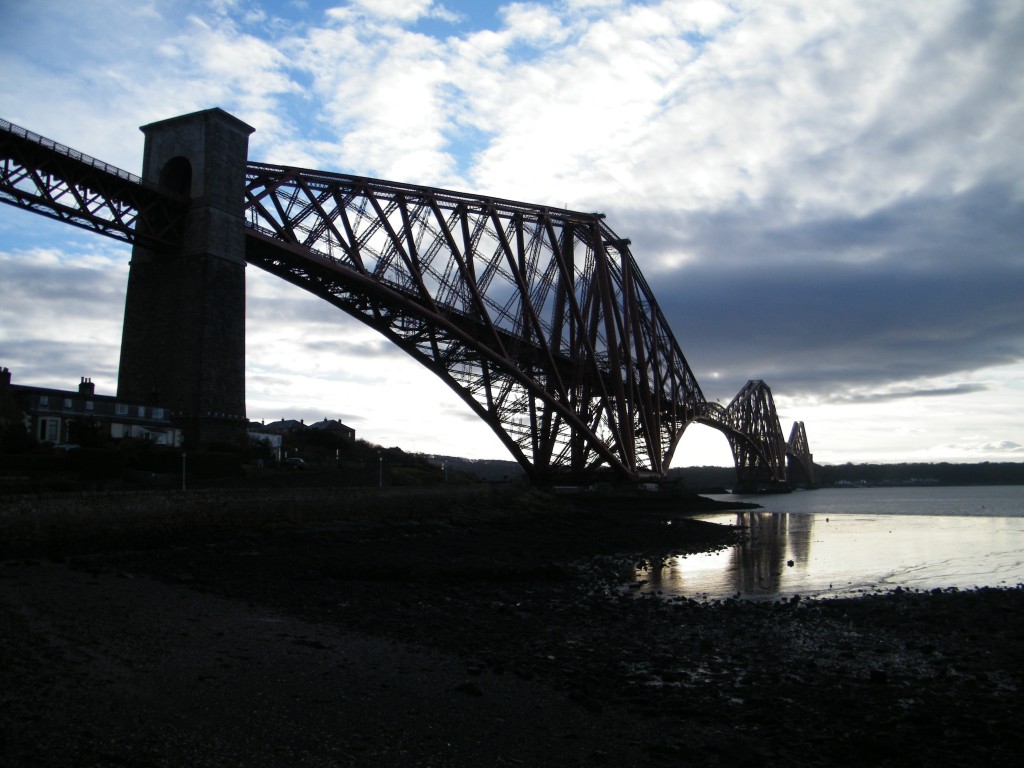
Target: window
{"type": "Point", "coordinates": [158, 413]}
{"type": "Point", "coordinates": [121, 409]}
{"type": "Point", "coordinates": [67, 402]}
{"type": "Point", "coordinates": [142, 411]}
{"type": "Point", "coordinates": [44, 401]}
{"type": "Point", "coordinates": [88, 405]}
{"type": "Point", "coordinates": [49, 430]}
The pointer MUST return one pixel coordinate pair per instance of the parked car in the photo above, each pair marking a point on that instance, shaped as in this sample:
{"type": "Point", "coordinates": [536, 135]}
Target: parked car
{"type": "Point", "coordinates": [293, 462]}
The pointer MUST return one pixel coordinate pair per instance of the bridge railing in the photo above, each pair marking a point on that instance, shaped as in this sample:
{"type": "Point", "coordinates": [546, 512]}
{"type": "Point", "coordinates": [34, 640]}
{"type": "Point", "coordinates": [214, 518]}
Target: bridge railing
{"type": "Point", "coordinates": [74, 154]}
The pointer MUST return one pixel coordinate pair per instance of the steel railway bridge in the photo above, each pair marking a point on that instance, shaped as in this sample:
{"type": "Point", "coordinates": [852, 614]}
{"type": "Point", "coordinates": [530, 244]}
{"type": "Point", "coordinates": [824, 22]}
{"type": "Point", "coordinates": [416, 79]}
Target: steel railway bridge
{"type": "Point", "coordinates": [537, 317]}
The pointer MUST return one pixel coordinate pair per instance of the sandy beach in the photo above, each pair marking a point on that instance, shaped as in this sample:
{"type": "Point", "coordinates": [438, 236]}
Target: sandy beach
{"type": "Point", "coordinates": [448, 636]}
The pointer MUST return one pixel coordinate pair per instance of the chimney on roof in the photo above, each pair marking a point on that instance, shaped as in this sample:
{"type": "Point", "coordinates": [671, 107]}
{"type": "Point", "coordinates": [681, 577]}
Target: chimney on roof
{"type": "Point", "coordinates": [86, 387]}
{"type": "Point", "coordinates": [5, 377]}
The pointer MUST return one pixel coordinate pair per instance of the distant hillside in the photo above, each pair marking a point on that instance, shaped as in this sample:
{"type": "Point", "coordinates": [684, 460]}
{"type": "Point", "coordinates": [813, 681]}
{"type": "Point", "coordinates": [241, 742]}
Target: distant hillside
{"type": "Point", "coordinates": [714, 478]}
{"type": "Point", "coordinates": [943, 473]}
{"type": "Point", "coordinates": [494, 470]}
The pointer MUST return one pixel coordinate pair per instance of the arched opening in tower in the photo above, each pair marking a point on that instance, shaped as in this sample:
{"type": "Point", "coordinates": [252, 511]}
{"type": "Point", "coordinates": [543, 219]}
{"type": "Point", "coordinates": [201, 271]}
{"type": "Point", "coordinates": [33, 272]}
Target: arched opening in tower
{"type": "Point", "coordinates": [176, 176]}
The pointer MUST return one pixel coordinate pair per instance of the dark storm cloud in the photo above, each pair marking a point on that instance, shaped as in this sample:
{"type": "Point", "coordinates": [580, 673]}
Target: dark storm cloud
{"type": "Point", "coordinates": [924, 287]}
{"type": "Point", "coordinates": [908, 394]}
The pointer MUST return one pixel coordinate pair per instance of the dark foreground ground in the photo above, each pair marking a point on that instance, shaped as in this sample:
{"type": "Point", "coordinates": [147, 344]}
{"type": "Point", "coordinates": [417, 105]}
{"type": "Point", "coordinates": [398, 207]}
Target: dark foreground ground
{"type": "Point", "coordinates": [489, 630]}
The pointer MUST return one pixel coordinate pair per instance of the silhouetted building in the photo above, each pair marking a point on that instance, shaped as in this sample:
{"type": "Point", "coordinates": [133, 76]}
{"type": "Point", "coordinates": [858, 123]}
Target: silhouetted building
{"type": "Point", "coordinates": [283, 426]}
{"type": "Point", "coordinates": [60, 416]}
{"type": "Point", "coordinates": [335, 427]}
{"type": "Point", "coordinates": [266, 442]}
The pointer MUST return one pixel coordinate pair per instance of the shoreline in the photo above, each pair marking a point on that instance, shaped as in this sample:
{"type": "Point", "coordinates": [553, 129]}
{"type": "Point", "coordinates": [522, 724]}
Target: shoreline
{"type": "Point", "coordinates": [480, 636]}
{"type": "Point", "coordinates": [59, 524]}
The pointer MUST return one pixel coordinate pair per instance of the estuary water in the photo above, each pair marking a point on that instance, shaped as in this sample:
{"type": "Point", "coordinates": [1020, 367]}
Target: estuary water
{"type": "Point", "coordinates": [849, 541]}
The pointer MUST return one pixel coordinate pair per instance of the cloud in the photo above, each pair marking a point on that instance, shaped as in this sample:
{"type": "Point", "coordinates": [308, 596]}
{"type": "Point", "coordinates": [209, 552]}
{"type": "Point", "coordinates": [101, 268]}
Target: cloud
{"type": "Point", "coordinates": [404, 11]}
{"type": "Point", "coordinates": [61, 315]}
{"type": "Point", "coordinates": [815, 114]}
{"type": "Point", "coordinates": [843, 302]}
{"type": "Point", "coordinates": [533, 24]}
{"type": "Point", "coordinates": [907, 394]}
{"type": "Point", "coordinates": [1005, 446]}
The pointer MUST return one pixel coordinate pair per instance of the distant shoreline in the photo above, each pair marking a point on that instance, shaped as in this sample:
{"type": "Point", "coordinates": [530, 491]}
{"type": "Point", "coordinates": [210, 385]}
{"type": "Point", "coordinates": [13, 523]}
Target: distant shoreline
{"type": "Point", "coordinates": [874, 475]}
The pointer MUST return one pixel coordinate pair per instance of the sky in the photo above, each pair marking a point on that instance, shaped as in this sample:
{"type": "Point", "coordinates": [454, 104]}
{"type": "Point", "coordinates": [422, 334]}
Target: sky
{"type": "Point", "coordinates": [825, 195]}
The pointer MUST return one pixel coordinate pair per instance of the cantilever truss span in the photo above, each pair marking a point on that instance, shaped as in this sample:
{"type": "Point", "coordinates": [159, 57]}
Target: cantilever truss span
{"type": "Point", "coordinates": [800, 461]}
{"type": "Point", "coordinates": [750, 423]}
{"type": "Point", "coordinates": [539, 318]}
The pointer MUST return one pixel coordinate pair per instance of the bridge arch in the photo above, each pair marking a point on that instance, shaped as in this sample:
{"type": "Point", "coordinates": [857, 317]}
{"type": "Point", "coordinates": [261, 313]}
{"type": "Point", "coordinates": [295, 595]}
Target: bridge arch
{"type": "Point", "coordinates": [751, 425]}
{"type": "Point", "coordinates": [702, 445]}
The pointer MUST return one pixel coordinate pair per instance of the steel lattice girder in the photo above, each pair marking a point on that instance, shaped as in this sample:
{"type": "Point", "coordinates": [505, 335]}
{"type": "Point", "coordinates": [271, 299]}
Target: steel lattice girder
{"type": "Point", "coordinates": [63, 184]}
{"type": "Point", "coordinates": [537, 317]}
{"type": "Point", "coordinates": [755, 436]}
{"type": "Point", "coordinates": [799, 449]}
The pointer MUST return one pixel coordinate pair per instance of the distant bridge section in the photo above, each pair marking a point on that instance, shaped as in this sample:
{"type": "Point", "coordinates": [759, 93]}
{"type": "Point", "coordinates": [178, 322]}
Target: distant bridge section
{"type": "Point", "coordinates": [538, 318]}
{"type": "Point", "coordinates": [764, 458]}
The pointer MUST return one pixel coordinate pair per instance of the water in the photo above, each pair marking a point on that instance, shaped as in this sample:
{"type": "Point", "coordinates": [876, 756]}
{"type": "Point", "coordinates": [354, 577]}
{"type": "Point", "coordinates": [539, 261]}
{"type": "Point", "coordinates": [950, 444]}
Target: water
{"type": "Point", "coordinates": [837, 542]}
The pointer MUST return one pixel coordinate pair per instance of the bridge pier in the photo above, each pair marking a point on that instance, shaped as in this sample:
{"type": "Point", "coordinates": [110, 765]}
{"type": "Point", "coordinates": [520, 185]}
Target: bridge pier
{"type": "Point", "coordinates": [183, 343]}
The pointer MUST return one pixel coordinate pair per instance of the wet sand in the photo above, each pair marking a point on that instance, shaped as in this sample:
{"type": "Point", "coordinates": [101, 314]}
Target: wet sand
{"type": "Point", "coordinates": [449, 638]}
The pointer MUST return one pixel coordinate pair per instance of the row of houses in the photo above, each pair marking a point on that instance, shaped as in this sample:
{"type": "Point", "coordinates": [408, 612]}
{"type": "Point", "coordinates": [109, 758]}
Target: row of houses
{"type": "Point", "coordinates": [71, 417]}
{"type": "Point", "coordinates": [270, 437]}
{"type": "Point", "coordinates": [291, 426]}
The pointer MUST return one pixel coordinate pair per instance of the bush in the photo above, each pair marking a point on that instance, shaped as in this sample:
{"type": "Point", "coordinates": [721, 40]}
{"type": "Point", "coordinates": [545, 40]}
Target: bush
{"type": "Point", "coordinates": [208, 465]}
{"type": "Point", "coordinates": [97, 467]}
{"type": "Point", "coordinates": [156, 459]}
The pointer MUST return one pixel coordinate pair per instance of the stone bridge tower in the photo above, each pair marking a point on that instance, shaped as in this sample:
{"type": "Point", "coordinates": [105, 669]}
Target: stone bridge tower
{"type": "Point", "coordinates": [183, 345]}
